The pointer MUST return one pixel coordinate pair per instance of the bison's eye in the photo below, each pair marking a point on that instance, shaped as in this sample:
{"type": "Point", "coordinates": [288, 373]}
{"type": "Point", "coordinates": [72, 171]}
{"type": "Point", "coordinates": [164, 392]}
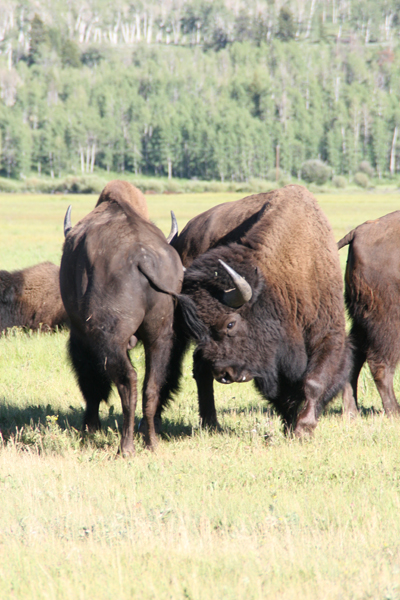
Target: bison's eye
{"type": "Point", "coordinates": [231, 325]}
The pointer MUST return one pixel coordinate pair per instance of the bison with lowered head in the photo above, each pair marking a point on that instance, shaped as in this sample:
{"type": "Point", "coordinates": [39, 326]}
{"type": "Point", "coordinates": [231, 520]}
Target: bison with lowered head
{"type": "Point", "coordinates": [266, 304]}
{"type": "Point", "coordinates": [118, 277]}
{"type": "Point", "coordinates": [372, 291]}
{"type": "Point", "coordinates": [31, 298]}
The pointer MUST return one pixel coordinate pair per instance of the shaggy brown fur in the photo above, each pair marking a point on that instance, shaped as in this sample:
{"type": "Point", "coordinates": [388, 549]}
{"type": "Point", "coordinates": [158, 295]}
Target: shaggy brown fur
{"type": "Point", "coordinates": [31, 298]}
{"type": "Point", "coordinates": [372, 290]}
{"type": "Point", "coordinates": [290, 338]}
{"type": "Point", "coordinates": [118, 277]}
{"type": "Point", "coordinates": [118, 189]}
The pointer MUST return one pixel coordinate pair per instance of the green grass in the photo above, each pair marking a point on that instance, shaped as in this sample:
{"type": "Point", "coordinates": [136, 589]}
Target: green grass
{"type": "Point", "coordinates": [242, 514]}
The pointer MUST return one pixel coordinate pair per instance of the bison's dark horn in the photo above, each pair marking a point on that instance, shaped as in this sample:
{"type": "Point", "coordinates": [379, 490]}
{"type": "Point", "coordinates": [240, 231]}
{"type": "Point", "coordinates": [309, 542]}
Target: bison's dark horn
{"type": "Point", "coordinates": [242, 291]}
{"type": "Point", "coordinates": [174, 228]}
{"type": "Point", "coordinates": [67, 221]}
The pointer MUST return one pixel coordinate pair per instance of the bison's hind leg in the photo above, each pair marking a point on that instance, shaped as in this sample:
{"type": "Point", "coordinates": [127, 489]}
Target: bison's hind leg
{"type": "Point", "coordinates": [383, 376]}
{"type": "Point", "coordinates": [93, 380]}
{"type": "Point", "coordinates": [121, 372]}
{"type": "Point", "coordinates": [358, 341]}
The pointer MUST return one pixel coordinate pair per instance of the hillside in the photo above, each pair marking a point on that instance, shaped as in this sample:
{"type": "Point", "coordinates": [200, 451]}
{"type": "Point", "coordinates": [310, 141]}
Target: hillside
{"type": "Point", "coordinates": [202, 90]}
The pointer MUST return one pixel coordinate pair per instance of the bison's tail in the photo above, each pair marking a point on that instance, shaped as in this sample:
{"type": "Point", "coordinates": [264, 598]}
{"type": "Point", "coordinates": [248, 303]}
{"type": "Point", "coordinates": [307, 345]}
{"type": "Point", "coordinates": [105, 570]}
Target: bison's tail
{"type": "Point", "coordinates": [346, 240]}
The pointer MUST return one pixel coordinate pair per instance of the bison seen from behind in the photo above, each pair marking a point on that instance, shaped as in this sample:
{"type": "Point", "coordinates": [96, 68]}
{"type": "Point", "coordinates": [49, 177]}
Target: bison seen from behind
{"type": "Point", "coordinates": [372, 294]}
{"type": "Point", "coordinates": [118, 277]}
{"type": "Point", "coordinates": [31, 298]}
{"type": "Point", "coordinates": [268, 306]}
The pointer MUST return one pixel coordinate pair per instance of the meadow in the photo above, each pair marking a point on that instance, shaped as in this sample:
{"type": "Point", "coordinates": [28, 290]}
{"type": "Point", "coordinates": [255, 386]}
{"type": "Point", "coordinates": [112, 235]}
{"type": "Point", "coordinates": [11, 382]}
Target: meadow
{"type": "Point", "coordinates": [241, 514]}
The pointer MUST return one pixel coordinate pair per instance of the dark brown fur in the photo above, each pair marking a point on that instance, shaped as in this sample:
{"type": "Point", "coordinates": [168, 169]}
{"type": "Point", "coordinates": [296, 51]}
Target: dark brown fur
{"type": "Point", "coordinates": [372, 292]}
{"type": "Point", "coordinates": [31, 298]}
{"type": "Point", "coordinates": [118, 277]}
{"type": "Point", "coordinates": [290, 338]}
{"type": "Point", "coordinates": [218, 226]}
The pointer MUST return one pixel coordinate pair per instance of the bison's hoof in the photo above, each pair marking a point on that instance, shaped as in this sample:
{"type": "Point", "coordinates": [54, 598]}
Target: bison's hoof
{"type": "Point", "coordinates": [157, 425]}
{"type": "Point", "coordinates": [350, 414]}
{"type": "Point", "coordinates": [126, 452]}
{"type": "Point", "coordinates": [304, 431]}
{"type": "Point", "coordinates": [151, 444]}
{"type": "Point", "coordinates": [210, 424]}
{"type": "Point", "coordinates": [91, 427]}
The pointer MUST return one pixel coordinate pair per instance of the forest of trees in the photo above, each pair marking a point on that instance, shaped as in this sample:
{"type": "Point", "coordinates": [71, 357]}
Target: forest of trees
{"type": "Point", "coordinates": [199, 89]}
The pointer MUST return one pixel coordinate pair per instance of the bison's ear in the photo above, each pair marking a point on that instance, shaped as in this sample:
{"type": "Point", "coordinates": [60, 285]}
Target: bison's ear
{"type": "Point", "coordinates": [194, 326]}
{"type": "Point", "coordinates": [161, 270]}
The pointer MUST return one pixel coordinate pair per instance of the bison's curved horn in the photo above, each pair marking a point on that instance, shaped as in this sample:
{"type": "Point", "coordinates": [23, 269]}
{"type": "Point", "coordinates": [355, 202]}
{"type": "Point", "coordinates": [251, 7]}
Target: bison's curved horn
{"type": "Point", "coordinates": [67, 221]}
{"type": "Point", "coordinates": [174, 228]}
{"type": "Point", "coordinates": [242, 291]}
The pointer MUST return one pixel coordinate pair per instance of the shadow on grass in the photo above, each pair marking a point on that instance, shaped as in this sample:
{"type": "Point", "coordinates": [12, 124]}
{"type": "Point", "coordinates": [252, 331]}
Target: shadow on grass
{"type": "Point", "coordinates": [13, 419]}
{"type": "Point", "coordinates": [263, 409]}
{"type": "Point", "coordinates": [33, 417]}
{"type": "Point", "coordinates": [363, 411]}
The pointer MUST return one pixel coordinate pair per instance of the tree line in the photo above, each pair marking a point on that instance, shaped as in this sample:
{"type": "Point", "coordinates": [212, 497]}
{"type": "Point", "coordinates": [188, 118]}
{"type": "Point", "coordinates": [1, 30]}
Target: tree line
{"type": "Point", "coordinates": [201, 109]}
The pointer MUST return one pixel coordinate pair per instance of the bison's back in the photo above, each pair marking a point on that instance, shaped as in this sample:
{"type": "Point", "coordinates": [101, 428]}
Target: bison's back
{"type": "Point", "coordinates": [31, 298]}
{"type": "Point", "coordinates": [294, 244]}
{"type": "Point", "coordinates": [372, 280]}
{"type": "Point", "coordinates": [105, 257]}
{"type": "Point", "coordinates": [123, 191]}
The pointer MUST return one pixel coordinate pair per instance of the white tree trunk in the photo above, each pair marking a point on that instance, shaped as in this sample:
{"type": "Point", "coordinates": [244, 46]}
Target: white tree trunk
{"type": "Point", "coordinates": [392, 165]}
{"type": "Point", "coordinates": [93, 157]}
{"type": "Point", "coordinates": [313, 2]}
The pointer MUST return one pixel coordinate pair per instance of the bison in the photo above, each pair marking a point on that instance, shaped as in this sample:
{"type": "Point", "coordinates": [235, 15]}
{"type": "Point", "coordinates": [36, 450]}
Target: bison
{"type": "Point", "coordinates": [264, 304]}
{"type": "Point", "coordinates": [31, 298]}
{"type": "Point", "coordinates": [118, 280]}
{"type": "Point", "coordinates": [372, 289]}
{"type": "Point", "coordinates": [218, 226]}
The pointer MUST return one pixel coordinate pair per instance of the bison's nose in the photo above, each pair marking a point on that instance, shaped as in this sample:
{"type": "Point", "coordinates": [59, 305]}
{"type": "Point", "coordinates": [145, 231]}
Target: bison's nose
{"type": "Point", "coordinates": [225, 378]}
{"type": "Point", "coordinates": [229, 375]}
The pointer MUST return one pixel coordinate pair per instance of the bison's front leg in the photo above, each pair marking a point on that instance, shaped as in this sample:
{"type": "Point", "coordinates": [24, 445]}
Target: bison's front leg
{"type": "Point", "coordinates": [307, 418]}
{"type": "Point", "coordinates": [325, 378]}
{"type": "Point", "coordinates": [205, 388]}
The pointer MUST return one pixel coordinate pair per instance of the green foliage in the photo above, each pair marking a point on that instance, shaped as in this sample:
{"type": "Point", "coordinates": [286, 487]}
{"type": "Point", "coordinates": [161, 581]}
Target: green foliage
{"type": "Point", "coordinates": [361, 179]}
{"type": "Point", "coordinates": [198, 90]}
{"type": "Point", "coordinates": [39, 41]}
{"type": "Point", "coordinates": [365, 167]}
{"type": "Point", "coordinates": [339, 181]}
{"type": "Point", "coordinates": [286, 26]}
{"type": "Point", "coordinates": [92, 57]}
{"type": "Point", "coordinates": [70, 55]}
{"type": "Point", "coordinates": [315, 171]}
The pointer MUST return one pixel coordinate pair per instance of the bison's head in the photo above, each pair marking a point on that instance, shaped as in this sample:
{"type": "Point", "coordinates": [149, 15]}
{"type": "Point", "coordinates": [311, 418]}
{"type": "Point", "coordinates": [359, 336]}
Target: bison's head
{"type": "Point", "coordinates": [228, 311]}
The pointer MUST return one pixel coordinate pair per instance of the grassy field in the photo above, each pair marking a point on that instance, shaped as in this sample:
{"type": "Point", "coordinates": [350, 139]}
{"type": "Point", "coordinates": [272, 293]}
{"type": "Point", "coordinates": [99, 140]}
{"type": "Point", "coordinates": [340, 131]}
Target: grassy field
{"type": "Point", "coordinates": [242, 514]}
